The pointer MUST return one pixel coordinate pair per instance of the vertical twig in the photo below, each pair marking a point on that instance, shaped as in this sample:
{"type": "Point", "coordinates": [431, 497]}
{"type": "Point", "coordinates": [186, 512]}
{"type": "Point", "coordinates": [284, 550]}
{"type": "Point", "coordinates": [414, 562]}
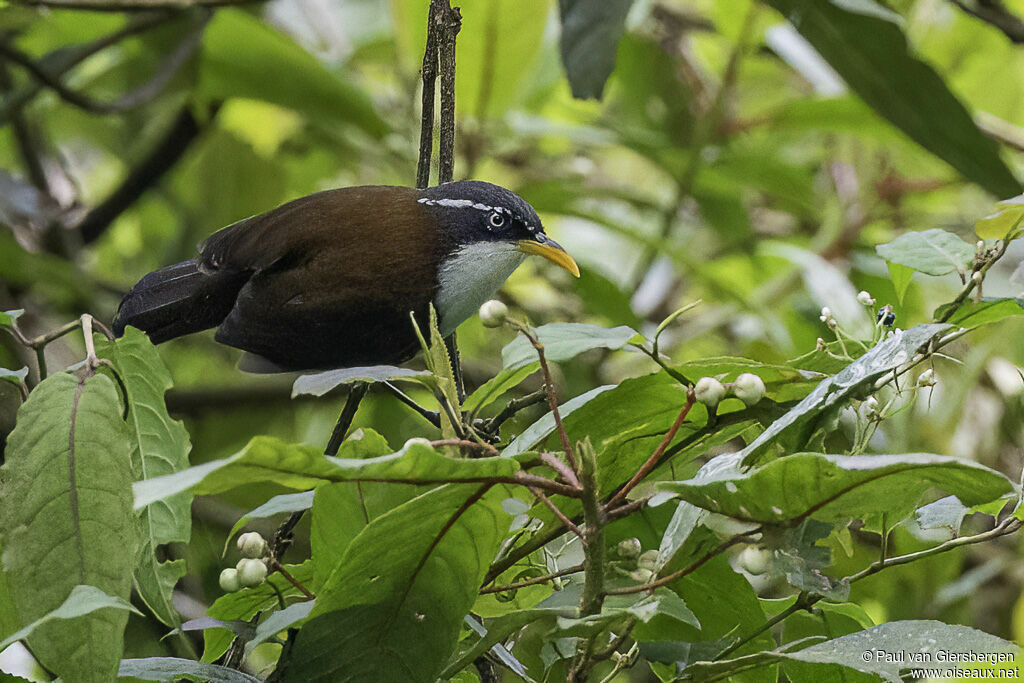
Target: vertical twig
{"type": "Point", "coordinates": [594, 558]}
{"type": "Point", "coordinates": [429, 74]}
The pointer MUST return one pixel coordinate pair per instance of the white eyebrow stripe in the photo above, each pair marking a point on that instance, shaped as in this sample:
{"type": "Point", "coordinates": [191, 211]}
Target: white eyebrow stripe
{"type": "Point", "coordinates": [459, 204]}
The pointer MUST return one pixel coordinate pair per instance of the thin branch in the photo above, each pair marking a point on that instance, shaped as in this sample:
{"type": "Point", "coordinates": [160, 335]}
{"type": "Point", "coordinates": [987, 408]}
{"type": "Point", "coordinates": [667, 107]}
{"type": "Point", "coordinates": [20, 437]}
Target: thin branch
{"type": "Point", "coordinates": [431, 416]}
{"type": "Point", "coordinates": [67, 58]}
{"type": "Point", "coordinates": [532, 582]}
{"type": "Point", "coordinates": [348, 413]}
{"type": "Point", "coordinates": [429, 75]}
{"type": "Point", "coordinates": [511, 408]}
{"type": "Point", "coordinates": [450, 20]}
{"type": "Point", "coordinates": [144, 93]}
{"type": "Point", "coordinates": [558, 513]}
{"type": "Point", "coordinates": [164, 156]}
{"type": "Point", "coordinates": [465, 443]}
{"type": "Point", "coordinates": [278, 567]}
{"type": "Point", "coordinates": [646, 468]}
{"type": "Point", "coordinates": [567, 475]}
{"type": "Point", "coordinates": [995, 14]}
{"type": "Point", "coordinates": [549, 388]}
{"type": "Point", "coordinates": [805, 601]}
{"type": "Point", "coordinates": [675, 576]}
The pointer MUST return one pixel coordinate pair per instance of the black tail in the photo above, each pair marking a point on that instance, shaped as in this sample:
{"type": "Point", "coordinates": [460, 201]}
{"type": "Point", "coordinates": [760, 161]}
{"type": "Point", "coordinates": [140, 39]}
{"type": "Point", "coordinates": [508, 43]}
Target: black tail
{"type": "Point", "coordinates": [178, 300]}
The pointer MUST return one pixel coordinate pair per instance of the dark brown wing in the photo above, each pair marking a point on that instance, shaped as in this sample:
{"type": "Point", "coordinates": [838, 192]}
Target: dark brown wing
{"type": "Point", "coordinates": [328, 289]}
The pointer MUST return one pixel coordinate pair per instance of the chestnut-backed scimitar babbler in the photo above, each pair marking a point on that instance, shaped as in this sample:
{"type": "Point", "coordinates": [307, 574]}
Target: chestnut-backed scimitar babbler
{"type": "Point", "coordinates": [329, 280]}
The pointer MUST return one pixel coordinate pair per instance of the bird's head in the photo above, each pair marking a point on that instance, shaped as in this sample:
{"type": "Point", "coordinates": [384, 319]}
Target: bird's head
{"type": "Point", "coordinates": [493, 219]}
{"type": "Point", "coordinates": [488, 231]}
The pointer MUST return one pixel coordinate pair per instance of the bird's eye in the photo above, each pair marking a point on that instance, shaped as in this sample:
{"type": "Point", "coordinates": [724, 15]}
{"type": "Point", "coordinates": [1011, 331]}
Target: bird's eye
{"type": "Point", "coordinates": [496, 220]}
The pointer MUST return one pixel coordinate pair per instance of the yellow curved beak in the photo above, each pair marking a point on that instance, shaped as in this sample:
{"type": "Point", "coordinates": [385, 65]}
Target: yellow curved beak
{"type": "Point", "coordinates": [542, 245]}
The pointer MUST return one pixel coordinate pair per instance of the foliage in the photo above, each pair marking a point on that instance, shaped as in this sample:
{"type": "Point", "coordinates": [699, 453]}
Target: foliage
{"type": "Point", "coordinates": [808, 202]}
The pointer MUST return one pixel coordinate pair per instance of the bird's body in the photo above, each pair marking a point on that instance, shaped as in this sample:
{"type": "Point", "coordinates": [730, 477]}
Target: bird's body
{"type": "Point", "coordinates": [329, 280]}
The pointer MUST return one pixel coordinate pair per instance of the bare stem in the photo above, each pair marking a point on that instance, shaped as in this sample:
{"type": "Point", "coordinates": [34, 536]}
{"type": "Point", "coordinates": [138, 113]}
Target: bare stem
{"type": "Point", "coordinates": [277, 567]}
{"type": "Point", "coordinates": [558, 513]}
{"type": "Point", "coordinates": [465, 443]}
{"type": "Point", "coordinates": [646, 468]}
{"type": "Point", "coordinates": [532, 582]}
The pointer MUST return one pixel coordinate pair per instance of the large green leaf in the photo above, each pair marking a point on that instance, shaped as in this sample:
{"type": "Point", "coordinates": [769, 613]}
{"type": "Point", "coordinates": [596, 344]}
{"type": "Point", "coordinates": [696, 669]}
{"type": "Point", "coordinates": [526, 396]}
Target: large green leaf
{"type": "Point", "coordinates": [323, 382]}
{"type": "Point", "coordinates": [590, 37]}
{"type": "Point", "coordinates": [971, 314]}
{"type": "Point", "coordinates": [864, 43]}
{"type": "Point", "coordinates": [834, 487]}
{"type": "Point", "coordinates": [393, 607]}
{"type": "Point", "coordinates": [884, 651]}
{"type": "Point", "coordinates": [563, 341]}
{"type": "Point", "coordinates": [244, 57]}
{"type": "Point", "coordinates": [1004, 221]}
{"type": "Point", "coordinates": [797, 425]}
{"type": "Point", "coordinates": [67, 519]}
{"type": "Point", "coordinates": [301, 466]}
{"type": "Point", "coordinates": [160, 446]}
{"type": "Point", "coordinates": [175, 668]}
{"type": "Point", "coordinates": [81, 600]}
{"type": "Point", "coordinates": [934, 251]}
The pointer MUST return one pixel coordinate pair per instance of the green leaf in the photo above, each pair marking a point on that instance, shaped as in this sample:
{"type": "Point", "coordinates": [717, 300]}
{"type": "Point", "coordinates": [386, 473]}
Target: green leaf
{"type": "Point", "coordinates": [300, 466]}
{"type": "Point", "coordinates": [563, 341]}
{"type": "Point", "coordinates": [491, 390]}
{"type": "Point", "coordinates": [617, 609]}
{"type": "Point", "coordinates": [323, 382]}
{"type": "Point", "coordinates": [590, 37]}
{"type": "Point", "coordinates": [173, 668]}
{"type": "Point", "coordinates": [864, 43]}
{"type": "Point", "coordinates": [901, 277]}
{"type": "Point", "coordinates": [248, 602]}
{"type": "Point", "coordinates": [160, 446]}
{"type": "Point", "coordinates": [938, 521]}
{"type": "Point", "coordinates": [81, 601]}
{"type": "Point", "coordinates": [912, 644]}
{"type": "Point", "coordinates": [244, 57]}
{"type": "Point", "coordinates": [499, 629]}
{"type": "Point", "coordinates": [540, 429]}
{"type": "Point", "coordinates": [280, 620]}
{"type": "Point", "coordinates": [13, 376]}
{"type": "Point", "coordinates": [971, 314]}
{"type": "Point", "coordinates": [392, 609]}
{"type": "Point", "coordinates": [834, 487]}
{"type": "Point", "coordinates": [934, 252]}
{"type": "Point", "coordinates": [67, 519]}
{"type": "Point", "coordinates": [1004, 222]}
{"type": "Point", "coordinates": [797, 425]}
{"type": "Point", "coordinates": [440, 363]}
{"type": "Point", "coordinates": [8, 319]}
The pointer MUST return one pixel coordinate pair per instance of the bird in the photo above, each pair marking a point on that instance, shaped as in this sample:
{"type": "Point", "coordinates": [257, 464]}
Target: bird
{"type": "Point", "coordinates": [329, 280]}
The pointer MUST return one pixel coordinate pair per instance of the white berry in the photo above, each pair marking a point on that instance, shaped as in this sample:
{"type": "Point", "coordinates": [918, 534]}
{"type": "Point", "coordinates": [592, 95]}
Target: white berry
{"type": "Point", "coordinates": [251, 573]}
{"type": "Point", "coordinates": [252, 544]}
{"type": "Point", "coordinates": [748, 388]}
{"type": "Point", "coordinates": [493, 313]}
{"type": "Point", "coordinates": [709, 391]}
{"type": "Point", "coordinates": [229, 581]}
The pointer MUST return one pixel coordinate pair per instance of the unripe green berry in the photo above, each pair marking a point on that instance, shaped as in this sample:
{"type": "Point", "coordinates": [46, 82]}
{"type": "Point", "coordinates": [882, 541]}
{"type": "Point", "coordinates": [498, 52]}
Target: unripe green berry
{"type": "Point", "coordinates": [251, 573]}
{"type": "Point", "coordinates": [709, 391]}
{"type": "Point", "coordinates": [648, 560]}
{"type": "Point", "coordinates": [229, 581]}
{"type": "Point", "coordinates": [748, 388]}
{"type": "Point", "coordinates": [493, 313]}
{"type": "Point", "coordinates": [252, 544]}
{"type": "Point", "coordinates": [629, 548]}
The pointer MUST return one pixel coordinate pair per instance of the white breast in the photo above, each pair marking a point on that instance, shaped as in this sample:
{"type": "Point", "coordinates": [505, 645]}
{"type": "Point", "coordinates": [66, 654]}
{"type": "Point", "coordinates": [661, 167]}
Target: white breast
{"type": "Point", "coordinates": [470, 277]}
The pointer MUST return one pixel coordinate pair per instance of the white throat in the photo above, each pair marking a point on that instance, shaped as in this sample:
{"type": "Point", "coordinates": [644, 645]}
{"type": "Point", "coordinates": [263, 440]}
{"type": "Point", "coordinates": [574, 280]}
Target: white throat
{"type": "Point", "coordinates": [470, 277]}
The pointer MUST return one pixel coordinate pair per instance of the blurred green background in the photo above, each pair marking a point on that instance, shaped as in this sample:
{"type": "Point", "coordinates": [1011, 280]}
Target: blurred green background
{"type": "Point", "coordinates": [725, 162]}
